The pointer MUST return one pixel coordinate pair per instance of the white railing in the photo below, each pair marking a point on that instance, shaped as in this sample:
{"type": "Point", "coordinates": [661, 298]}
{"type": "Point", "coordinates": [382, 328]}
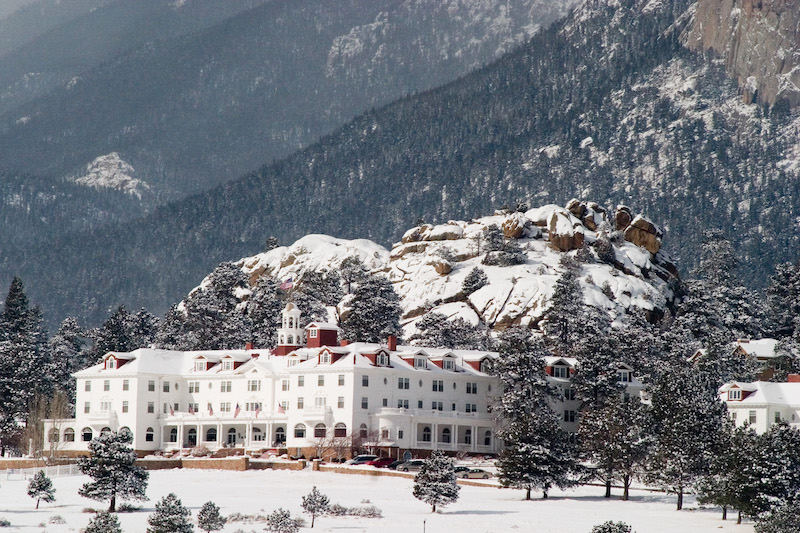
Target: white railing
{"type": "Point", "coordinates": [49, 470]}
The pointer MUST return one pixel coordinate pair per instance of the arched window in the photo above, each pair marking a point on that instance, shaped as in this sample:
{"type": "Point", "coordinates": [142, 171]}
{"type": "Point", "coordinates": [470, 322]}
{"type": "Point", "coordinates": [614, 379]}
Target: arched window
{"type": "Point", "coordinates": [300, 431]}
{"type": "Point", "coordinates": [69, 435]}
{"type": "Point", "coordinates": [362, 431]}
{"type": "Point", "coordinates": [426, 434]}
{"type": "Point", "coordinates": [86, 434]}
{"type": "Point", "coordinates": [468, 436]}
{"type": "Point", "coordinates": [149, 435]}
{"type": "Point", "coordinates": [173, 435]}
{"type": "Point", "coordinates": [280, 435]}
{"type": "Point", "coordinates": [291, 340]}
{"type": "Point", "coordinates": [282, 341]}
{"type": "Point", "coordinates": [487, 438]}
{"type": "Point", "coordinates": [211, 435]}
{"type": "Point", "coordinates": [105, 431]}
{"type": "Point", "coordinates": [486, 366]}
{"type": "Point", "coordinates": [258, 436]}
{"type": "Point", "coordinates": [53, 435]}
{"type": "Point", "coordinates": [319, 430]}
{"type": "Point", "coordinates": [232, 436]}
{"type": "Point", "coordinates": [446, 435]}
{"type": "Point", "coordinates": [340, 430]}
{"type": "Point", "coordinates": [192, 437]}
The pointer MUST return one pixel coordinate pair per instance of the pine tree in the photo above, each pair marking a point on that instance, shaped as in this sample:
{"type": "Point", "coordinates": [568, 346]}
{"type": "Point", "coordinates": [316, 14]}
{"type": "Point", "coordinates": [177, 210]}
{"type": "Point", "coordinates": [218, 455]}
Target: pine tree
{"type": "Point", "coordinates": [783, 519]}
{"type": "Point", "coordinates": [561, 322]}
{"type": "Point", "coordinates": [68, 354]}
{"type": "Point", "coordinates": [374, 311]}
{"type": "Point", "coordinates": [436, 331]}
{"type": "Point", "coordinates": [41, 488]}
{"type": "Point", "coordinates": [281, 521]}
{"type": "Point", "coordinates": [264, 311]}
{"type": "Point", "coordinates": [475, 280]}
{"type": "Point", "coordinates": [323, 285]}
{"type": "Point", "coordinates": [170, 517]}
{"type": "Point", "coordinates": [315, 504]}
{"type": "Point", "coordinates": [612, 527]}
{"type": "Point", "coordinates": [104, 522]}
{"type": "Point", "coordinates": [209, 519]}
{"type": "Point", "coordinates": [783, 300]}
{"type": "Point", "coordinates": [352, 271]}
{"type": "Point", "coordinates": [435, 483]}
{"type": "Point", "coordinates": [111, 465]}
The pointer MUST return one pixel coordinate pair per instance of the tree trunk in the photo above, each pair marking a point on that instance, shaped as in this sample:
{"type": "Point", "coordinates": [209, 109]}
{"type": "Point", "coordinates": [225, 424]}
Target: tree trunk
{"type": "Point", "coordinates": [724, 513]}
{"type": "Point", "coordinates": [113, 507]}
{"type": "Point", "coordinates": [739, 518]}
{"type": "Point", "coordinates": [608, 488]}
{"type": "Point", "coordinates": [312, 520]}
{"type": "Point", "coordinates": [544, 494]}
{"type": "Point", "coordinates": [528, 493]}
{"type": "Point", "coordinates": [626, 482]}
{"type": "Point", "coordinates": [434, 508]}
{"type": "Point", "coordinates": [37, 503]}
{"type": "Point", "coordinates": [680, 499]}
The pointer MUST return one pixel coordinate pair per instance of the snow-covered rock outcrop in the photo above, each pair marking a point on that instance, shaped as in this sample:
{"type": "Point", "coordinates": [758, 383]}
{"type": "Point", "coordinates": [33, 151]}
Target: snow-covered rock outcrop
{"type": "Point", "coordinates": [112, 172]}
{"type": "Point", "coordinates": [621, 268]}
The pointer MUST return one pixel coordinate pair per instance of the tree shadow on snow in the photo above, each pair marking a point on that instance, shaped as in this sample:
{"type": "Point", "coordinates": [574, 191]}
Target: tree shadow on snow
{"type": "Point", "coordinates": [476, 512]}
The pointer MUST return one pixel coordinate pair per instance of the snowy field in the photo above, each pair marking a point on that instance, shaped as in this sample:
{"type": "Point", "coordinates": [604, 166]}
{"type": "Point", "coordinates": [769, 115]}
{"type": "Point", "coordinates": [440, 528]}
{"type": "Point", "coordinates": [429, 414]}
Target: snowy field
{"type": "Point", "coordinates": [479, 509]}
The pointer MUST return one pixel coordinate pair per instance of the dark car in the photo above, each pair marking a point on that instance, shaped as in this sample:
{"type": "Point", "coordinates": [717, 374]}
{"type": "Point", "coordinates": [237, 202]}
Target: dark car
{"type": "Point", "coordinates": [395, 464]}
{"type": "Point", "coordinates": [381, 462]}
{"type": "Point", "coordinates": [460, 470]}
{"type": "Point", "coordinates": [411, 466]}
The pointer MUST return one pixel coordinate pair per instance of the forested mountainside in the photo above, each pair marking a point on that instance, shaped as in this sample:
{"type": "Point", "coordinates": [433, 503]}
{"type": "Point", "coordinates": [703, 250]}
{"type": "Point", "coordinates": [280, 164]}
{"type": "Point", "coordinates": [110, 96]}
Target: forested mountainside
{"type": "Point", "coordinates": [607, 104]}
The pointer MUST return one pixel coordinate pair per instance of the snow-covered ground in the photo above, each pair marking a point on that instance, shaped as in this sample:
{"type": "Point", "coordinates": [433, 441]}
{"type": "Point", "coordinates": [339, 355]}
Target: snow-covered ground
{"type": "Point", "coordinates": [479, 509]}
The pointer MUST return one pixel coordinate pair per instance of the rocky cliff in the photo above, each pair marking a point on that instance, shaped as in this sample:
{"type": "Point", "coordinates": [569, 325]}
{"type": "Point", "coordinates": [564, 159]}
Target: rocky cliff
{"type": "Point", "coordinates": [759, 41]}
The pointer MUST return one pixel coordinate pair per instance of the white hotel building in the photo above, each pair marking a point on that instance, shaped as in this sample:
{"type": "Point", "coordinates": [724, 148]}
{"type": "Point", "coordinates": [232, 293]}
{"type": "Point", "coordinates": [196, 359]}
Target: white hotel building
{"type": "Point", "coordinates": [393, 397]}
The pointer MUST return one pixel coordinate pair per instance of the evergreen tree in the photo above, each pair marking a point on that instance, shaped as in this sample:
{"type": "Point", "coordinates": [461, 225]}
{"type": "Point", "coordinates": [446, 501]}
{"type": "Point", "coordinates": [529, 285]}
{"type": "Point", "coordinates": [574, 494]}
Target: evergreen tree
{"type": "Point", "coordinates": [323, 285]}
{"type": "Point", "coordinates": [315, 504]}
{"type": "Point", "coordinates": [170, 517]}
{"type": "Point", "coordinates": [783, 300]}
{"type": "Point", "coordinates": [612, 527]}
{"type": "Point", "coordinates": [436, 331]}
{"type": "Point", "coordinates": [723, 364]}
{"type": "Point", "coordinates": [41, 488]}
{"type": "Point", "coordinates": [352, 271]}
{"type": "Point", "coordinates": [597, 379]}
{"type": "Point", "coordinates": [281, 521]}
{"type": "Point", "coordinates": [561, 322]}
{"type": "Point", "coordinates": [435, 483]}
{"type": "Point", "coordinates": [475, 280]}
{"type": "Point", "coordinates": [104, 522]}
{"type": "Point", "coordinates": [173, 332]}
{"type": "Point", "coordinates": [116, 334]}
{"type": "Point", "coordinates": [311, 309]}
{"type": "Point", "coordinates": [783, 519]}
{"type": "Point", "coordinates": [111, 465]}
{"type": "Point", "coordinates": [209, 519]}
{"type": "Point", "coordinates": [68, 354]}
{"type": "Point", "coordinates": [264, 310]}
{"type": "Point", "coordinates": [374, 311]}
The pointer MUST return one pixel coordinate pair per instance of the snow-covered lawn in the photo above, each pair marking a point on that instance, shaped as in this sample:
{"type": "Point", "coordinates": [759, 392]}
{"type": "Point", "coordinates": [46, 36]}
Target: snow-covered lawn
{"type": "Point", "coordinates": [478, 510]}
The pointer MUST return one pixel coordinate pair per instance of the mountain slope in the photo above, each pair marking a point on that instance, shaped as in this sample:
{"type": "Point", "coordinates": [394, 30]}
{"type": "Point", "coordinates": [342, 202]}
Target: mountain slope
{"type": "Point", "coordinates": [608, 104]}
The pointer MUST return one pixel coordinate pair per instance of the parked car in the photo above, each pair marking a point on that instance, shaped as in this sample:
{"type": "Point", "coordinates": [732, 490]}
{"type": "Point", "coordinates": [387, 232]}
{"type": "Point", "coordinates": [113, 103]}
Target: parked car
{"type": "Point", "coordinates": [474, 473]}
{"type": "Point", "coordinates": [381, 462]}
{"type": "Point", "coordinates": [411, 466]}
{"type": "Point", "coordinates": [395, 464]}
{"type": "Point", "coordinates": [460, 470]}
{"type": "Point", "coordinates": [361, 459]}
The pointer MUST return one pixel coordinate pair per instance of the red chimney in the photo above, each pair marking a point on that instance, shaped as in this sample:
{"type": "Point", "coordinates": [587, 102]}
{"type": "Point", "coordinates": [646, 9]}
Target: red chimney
{"type": "Point", "coordinates": [248, 346]}
{"type": "Point", "coordinates": [793, 378]}
{"type": "Point", "coordinates": [344, 342]}
{"type": "Point", "coordinates": [392, 342]}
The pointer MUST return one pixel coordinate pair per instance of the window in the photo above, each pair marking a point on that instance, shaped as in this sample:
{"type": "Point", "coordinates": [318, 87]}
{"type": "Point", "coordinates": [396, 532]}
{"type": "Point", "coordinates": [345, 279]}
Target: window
{"type": "Point", "coordinates": [254, 385]}
{"type": "Point", "coordinates": [419, 404]}
{"type": "Point", "coordinates": [385, 433]}
{"type": "Point", "coordinates": [560, 371]}
{"type": "Point", "coordinates": [86, 434]}
{"type": "Point", "coordinates": [449, 364]}
{"type": "Point", "coordinates": [399, 434]}
{"type": "Point", "coordinates": [200, 365]}
{"type": "Point", "coordinates": [106, 385]}
{"type": "Point", "coordinates": [624, 376]}
{"type": "Point", "coordinates": [468, 436]}
{"type": "Point", "coordinates": [487, 438]}
{"type": "Point", "coordinates": [453, 406]}
{"type": "Point", "coordinates": [365, 381]}
{"type": "Point", "coordinates": [365, 403]}
{"type": "Point", "coordinates": [735, 394]}
{"type": "Point", "coordinates": [105, 406]}
{"type": "Point", "coordinates": [437, 406]}
{"type": "Point", "coordinates": [340, 430]}
{"type": "Point", "coordinates": [151, 407]}
{"type": "Point", "coordinates": [403, 383]}
{"type": "Point", "coordinates": [252, 406]}
{"type": "Point", "coordinates": [300, 402]}
{"type": "Point", "coordinates": [446, 435]}
{"type": "Point", "coordinates": [472, 388]}
{"type": "Point", "coordinates": [151, 386]}
{"type": "Point", "coordinates": [438, 385]}
{"type": "Point", "coordinates": [165, 408]}
{"type": "Point", "coordinates": [87, 386]}
{"type": "Point", "coordinates": [325, 358]}
{"type": "Point", "coordinates": [341, 380]}
{"type": "Point", "coordinates": [569, 416]}
{"type": "Point", "coordinates": [225, 407]}
{"type": "Point", "coordinates": [211, 435]}
{"type": "Point", "coordinates": [420, 362]}
{"type": "Point", "coordinates": [320, 401]}
{"type": "Point", "coordinates": [321, 380]}
{"type": "Point", "coordinates": [402, 404]}
{"type": "Point", "coordinates": [173, 435]}
{"type": "Point", "coordinates": [301, 381]}
{"type": "Point", "coordinates": [362, 431]}
{"type": "Point", "coordinates": [258, 435]}
{"type": "Point", "coordinates": [340, 402]}
{"type": "Point", "coordinates": [227, 364]}
{"type": "Point", "coordinates": [319, 431]}
{"type": "Point", "coordinates": [87, 407]}
{"type": "Point", "coordinates": [111, 363]}
{"type": "Point", "coordinates": [176, 406]}
{"type": "Point", "coordinates": [125, 406]}
{"type": "Point", "coordinates": [486, 366]}
{"type": "Point", "coordinates": [300, 431]}
{"type": "Point", "coordinates": [194, 387]}
{"type": "Point", "coordinates": [69, 435]}
{"type": "Point", "coordinates": [312, 333]}
{"type": "Point", "coordinates": [383, 359]}
{"type": "Point", "coordinates": [225, 386]}
{"type": "Point", "coordinates": [285, 405]}
{"type": "Point", "coordinates": [472, 408]}
{"type": "Point", "coordinates": [194, 407]}
{"type": "Point", "coordinates": [426, 434]}
{"type": "Point", "coordinates": [753, 417]}
{"type": "Point", "coordinates": [280, 435]}
{"type": "Point", "coordinates": [52, 435]}
{"type": "Point", "coordinates": [733, 416]}
{"type": "Point", "coordinates": [149, 434]}
{"type": "Point", "coordinates": [569, 394]}
{"type": "Point", "coordinates": [165, 386]}
{"type": "Point", "coordinates": [777, 417]}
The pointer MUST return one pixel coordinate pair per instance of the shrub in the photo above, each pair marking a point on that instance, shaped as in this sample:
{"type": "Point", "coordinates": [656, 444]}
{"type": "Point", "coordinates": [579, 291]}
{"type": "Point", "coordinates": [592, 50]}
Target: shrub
{"type": "Point", "coordinates": [612, 527]}
{"type": "Point", "coordinates": [4, 523]}
{"type": "Point", "coordinates": [128, 508]}
{"type": "Point", "coordinates": [57, 519]}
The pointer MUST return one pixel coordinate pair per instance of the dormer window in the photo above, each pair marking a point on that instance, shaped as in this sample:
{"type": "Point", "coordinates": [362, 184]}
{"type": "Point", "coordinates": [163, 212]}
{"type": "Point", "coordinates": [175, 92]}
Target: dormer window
{"type": "Point", "coordinates": [735, 394]}
{"type": "Point", "coordinates": [382, 359]}
{"type": "Point", "coordinates": [227, 364]}
{"type": "Point", "coordinates": [486, 366]}
{"type": "Point", "coordinates": [624, 376]}
{"type": "Point", "coordinates": [420, 362]}
{"type": "Point", "coordinates": [560, 371]}
{"type": "Point", "coordinates": [111, 362]}
{"type": "Point", "coordinates": [312, 333]}
{"type": "Point", "coordinates": [449, 364]}
{"type": "Point", "coordinates": [325, 358]}
{"type": "Point", "coordinates": [200, 365]}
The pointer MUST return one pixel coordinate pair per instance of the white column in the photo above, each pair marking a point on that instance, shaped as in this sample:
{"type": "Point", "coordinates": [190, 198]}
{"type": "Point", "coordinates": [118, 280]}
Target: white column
{"type": "Point", "coordinates": [220, 442]}
{"type": "Point", "coordinates": [474, 439]}
{"type": "Point", "coordinates": [248, 434]}
{"type": "Point", "coordinates": [435, 437]}
{"type": "Point", "coordinates": [180, 434]}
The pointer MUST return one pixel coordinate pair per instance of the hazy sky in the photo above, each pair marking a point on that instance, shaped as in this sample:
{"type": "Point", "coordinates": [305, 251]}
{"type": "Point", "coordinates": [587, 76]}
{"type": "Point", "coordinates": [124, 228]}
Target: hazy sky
{"type": "Point", "coordinates": [9, 6]}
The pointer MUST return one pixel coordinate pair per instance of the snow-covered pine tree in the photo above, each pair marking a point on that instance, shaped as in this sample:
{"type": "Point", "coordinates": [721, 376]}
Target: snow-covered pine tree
{"type": "Point", "coordinates": [209, 519]}
{"type": "Point", "coordinates": [41, 488]}
{"type": "Point", "coordinates": [561, 322]}
{"type": "Point", "coordinates": [536, 454]}
{"type": "Point", "coordinates": [723, 364]}
{"type": "Point", "coordinates": [436, 331]}
{"type": "Point", "coordinates": [776, 469]}
{"type": "Point", "coordinates": [111, 465]}
{"type": "Point", "coordinates": [104, 522]}
{"type": "Point", "coordinates": [374, 312]}
{"type": "Point", "coordinates": [173, 331]}
{"type": "Point", "coordinates": [475, 280]}
{"type": "Point", "coordinates": [315, 503]}
{"type": "Point", "coordinates": [170, 517]}
{"type": "Point", "coordinates": [323, 285]}
{"type": "Point", "coordinates": [783, 519]}
{"type": "Point", "coordinates": [352, 271]}
{"type": "Point", "coordinates": [612, 527]}
{"type": "Point", "coordinates": [435, 483]}
{"type": "Point", "coordinates": [281, 521]}
{"type": "Point", "coordinates": [311, 308]}
{"type": "Point", "coordinates": [596, 380]}
{"type": "Point", "coordinates": [264, 310]}
{"type": "Point", "coordinates": [68, 354]}
{"type": "Point", "coordinates": [783, 301]}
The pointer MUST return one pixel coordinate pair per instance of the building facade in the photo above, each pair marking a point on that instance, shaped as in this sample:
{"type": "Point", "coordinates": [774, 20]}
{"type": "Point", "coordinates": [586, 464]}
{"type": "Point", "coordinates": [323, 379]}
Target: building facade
{"type": "Point", "coordinates": [762, 403]}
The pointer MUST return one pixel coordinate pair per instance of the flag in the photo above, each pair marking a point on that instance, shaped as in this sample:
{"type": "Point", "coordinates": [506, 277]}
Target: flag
{"type": "Point", "coordinates": [258, 409]}
{"type": "Point", "coordinates": [286, 285]}
{"type": "Point", "coordinates": [191, 408]}
{"type": "Point", "coordinates": [281, 410]}
{"type": "Point", "coordinates": [171, 411]}
{"type": "Point", "coordinates": [210, 410]}
{"type": "Point", "coordinates": [238, 410]}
